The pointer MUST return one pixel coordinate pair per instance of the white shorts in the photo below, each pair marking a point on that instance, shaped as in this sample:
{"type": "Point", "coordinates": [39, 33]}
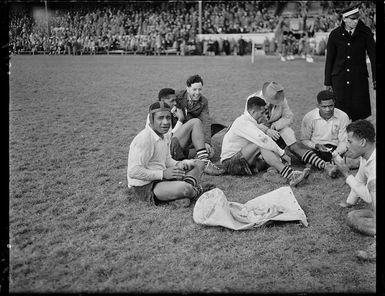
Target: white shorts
{"type": "Point", "coordinates": [288, 135]}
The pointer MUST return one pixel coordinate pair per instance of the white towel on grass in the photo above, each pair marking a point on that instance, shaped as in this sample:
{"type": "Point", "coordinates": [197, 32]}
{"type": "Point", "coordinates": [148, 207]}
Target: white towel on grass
{"type": "Point", "coordinates": [213, 209]}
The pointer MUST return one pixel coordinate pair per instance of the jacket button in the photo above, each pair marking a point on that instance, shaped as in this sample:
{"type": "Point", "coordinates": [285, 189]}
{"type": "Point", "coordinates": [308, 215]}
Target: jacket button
{"type": "Point", "coordinates": [348, 57]}
{"type": "Point", "coordinates": [348, 70]}
{"type": "Point", "coordinates": [348, 43]}
{"type": "Point", "coordinates": [347, 82]}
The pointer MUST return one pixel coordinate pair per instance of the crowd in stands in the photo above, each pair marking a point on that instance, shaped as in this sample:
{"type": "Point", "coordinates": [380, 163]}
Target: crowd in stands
{"type": "Point", "coordinates": [152, 27]}
{"type": "Point", "coordinates": [330, 19]}
{"type": "Point", "coordinates": [237, 17]}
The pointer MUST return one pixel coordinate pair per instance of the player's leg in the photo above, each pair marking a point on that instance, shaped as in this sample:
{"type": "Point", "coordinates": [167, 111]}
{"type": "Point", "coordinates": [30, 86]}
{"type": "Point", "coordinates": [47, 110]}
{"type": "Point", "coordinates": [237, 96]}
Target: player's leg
{"type": "Point", "coordinates": [307, 155]}
{"type": "Point", "coordinates": [192, 132]}
{"type": "Point", "coordinates": [362, 221]}
{"type": "Point", "coordinates": [300, 150]}
{"type": "Point", "coordinates": [171, 190]}
{"type": "Point", "coordinates": [250, 152]}
{"type": "Point", "coordinates": [294, 177]}
{"type": "Point", "coordinates": [188, 187]}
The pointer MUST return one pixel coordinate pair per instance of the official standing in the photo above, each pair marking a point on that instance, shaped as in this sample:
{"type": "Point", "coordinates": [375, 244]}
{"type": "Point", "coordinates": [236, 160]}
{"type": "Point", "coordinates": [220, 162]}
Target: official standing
{"type": "Point", "coordinates": [346, 71]}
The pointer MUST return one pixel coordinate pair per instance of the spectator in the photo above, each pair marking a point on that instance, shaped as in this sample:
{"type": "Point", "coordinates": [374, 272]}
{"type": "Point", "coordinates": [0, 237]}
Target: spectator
{"type": "Point", "coordinates": [108, 24]}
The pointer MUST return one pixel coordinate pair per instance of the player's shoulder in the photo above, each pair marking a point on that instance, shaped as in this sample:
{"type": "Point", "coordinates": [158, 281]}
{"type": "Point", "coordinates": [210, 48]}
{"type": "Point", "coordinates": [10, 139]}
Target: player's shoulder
{"type": "Point", "coordinates": [311, 114]}
{"type": "Point", "coordinates": [204, 100]}
{"type": "Point", "coordinates": [341, 114]}
{"type": "Point", "coordinates": [143, 135]}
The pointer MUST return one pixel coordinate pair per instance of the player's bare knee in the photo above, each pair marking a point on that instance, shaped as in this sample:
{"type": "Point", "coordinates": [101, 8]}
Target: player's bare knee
{"type": "Point", "coordinates": [266, 154]}
{"type": "Point", "coordinates": [195, 121]}
{"type": "Point", "coordinates": [187, 190]}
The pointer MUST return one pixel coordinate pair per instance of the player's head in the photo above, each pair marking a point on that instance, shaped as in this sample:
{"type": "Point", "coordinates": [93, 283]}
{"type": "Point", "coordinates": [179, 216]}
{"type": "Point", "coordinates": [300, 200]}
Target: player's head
{"type": "Point", "coordinates": [326, 101]}
{"type": "Point", "coordinates": [194, 87]}
{"type": "Point", "coordinates": [160, 117]}
{"type": "Point", "coordinates": [257, 108]}
{"type": "Point", "coordinates": [168, 96]}
{"type": "Point", "coordinates": [361, 137]}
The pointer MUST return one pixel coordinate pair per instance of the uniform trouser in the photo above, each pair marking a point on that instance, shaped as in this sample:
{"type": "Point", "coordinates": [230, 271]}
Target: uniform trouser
{"type": "Point", "coordinates": [353, 98]}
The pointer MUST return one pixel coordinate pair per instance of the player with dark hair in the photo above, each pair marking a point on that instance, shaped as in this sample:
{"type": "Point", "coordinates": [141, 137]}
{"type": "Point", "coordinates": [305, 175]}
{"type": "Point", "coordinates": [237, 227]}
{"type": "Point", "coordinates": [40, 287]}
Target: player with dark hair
{"type": "Point", "coordinates": [151, 172]}
{"type": "Point", "coordinates": [244, 144]}
{"type": "Point", "coordinates": [323, 129]}
{"type": "Point", "coordinates": [195, 105]}
{"type": "Point", "coordinates": [361, 144]}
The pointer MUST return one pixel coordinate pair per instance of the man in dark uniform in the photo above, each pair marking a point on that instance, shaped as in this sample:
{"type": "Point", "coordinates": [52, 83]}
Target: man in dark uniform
{"type": "Point", "coordinates": [346, 71]}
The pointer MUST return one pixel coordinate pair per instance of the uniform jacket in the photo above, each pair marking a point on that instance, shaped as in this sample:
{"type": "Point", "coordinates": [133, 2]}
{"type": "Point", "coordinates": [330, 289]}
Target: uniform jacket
{"type": "Point", "coordinates": [199, 110]}
{"type": "Point", "coordinates": [346, 69]}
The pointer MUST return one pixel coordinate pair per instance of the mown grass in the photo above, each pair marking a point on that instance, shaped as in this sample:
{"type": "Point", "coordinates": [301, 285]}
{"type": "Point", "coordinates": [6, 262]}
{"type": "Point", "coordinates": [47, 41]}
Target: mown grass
{"type": "Point", "coordinates": [75, 227]}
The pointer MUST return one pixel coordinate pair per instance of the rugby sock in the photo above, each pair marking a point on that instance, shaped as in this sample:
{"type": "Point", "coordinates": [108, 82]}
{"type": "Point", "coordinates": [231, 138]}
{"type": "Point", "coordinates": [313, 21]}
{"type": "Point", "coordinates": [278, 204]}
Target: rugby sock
{"type": "Point", "coordinates": [313, 159]}
{"type": "Point", "coordinates": [191, 180]}
{"type": "Point", "coordinates": [286, 172]}
{"type": "Point", "coordinates": [202, 154]}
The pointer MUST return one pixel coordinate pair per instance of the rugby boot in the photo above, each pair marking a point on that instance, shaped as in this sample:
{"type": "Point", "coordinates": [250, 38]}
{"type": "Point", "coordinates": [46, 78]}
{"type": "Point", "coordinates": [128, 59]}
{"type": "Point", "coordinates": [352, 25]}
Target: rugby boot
{"type": "Point", "coordinates": [212, 169]}
{"type": "Point", "coordinates": [298, 176]}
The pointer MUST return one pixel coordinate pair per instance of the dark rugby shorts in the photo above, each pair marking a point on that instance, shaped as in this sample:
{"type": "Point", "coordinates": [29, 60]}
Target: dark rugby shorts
{"type": "Point", "coordinates": [237, 165]}
{"type": "Point", "coordinates": [146, 193]}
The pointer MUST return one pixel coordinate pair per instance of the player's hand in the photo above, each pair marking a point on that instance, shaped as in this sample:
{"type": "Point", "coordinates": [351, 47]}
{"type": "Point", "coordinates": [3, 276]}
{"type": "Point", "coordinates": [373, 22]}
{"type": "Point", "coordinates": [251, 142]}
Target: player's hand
{"type": "Point", "coordinates": [329, 88]}
{"type": "Point", "coordinates": [342, 167]}
{"type": "Point", "coordinates": [344, 204]}
{"type": "Point", "coordinates": [286, 159]}
{"type": "Point", "coordinates": [273, 134]}
{"type": "Point", "coordinates": [209, 149]}
{"type": "Point", "coordinates": [186, 164]}
{"type": "Point", "coordinates": [179, 114]}
{"type": "Point", "coordinates": [173, 173]}
{"type": "Point", "coordinates": [322, 148]}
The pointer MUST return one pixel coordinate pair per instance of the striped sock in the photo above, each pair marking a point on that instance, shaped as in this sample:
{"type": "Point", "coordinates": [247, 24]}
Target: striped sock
{"type": "Point", "coordinates": [286, 172]}
{"type": "Point", "coordinates": [191, 180]}
{"type": "Point", "coordinates": [313, 159]}
{"type": "Point", "coordinates": [197, 190]}
{"type": "Point", "coordinates": [202, 154]}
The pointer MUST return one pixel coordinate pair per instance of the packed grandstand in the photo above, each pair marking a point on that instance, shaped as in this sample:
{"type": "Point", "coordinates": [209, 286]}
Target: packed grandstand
{"type": "Point", "coordinates": [172, 27]}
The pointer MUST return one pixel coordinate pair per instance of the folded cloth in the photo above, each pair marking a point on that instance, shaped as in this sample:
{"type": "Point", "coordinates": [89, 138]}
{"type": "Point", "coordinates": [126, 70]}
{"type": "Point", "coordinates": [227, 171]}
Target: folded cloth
{"type": "Point", "coordinates": [213, 209]}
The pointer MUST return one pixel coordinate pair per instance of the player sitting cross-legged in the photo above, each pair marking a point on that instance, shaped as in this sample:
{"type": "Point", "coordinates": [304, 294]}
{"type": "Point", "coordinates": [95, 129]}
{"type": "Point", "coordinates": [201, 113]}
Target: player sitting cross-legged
{"type": "Point", "coordinates": [323, 129]}
{"type": "Point", "coordinates": [151, 172]}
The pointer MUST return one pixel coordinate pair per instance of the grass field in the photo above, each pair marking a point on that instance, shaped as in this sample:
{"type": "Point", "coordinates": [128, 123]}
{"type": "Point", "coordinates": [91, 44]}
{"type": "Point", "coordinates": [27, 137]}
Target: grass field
{"type": "Point", "coordinates": [75, 226]}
